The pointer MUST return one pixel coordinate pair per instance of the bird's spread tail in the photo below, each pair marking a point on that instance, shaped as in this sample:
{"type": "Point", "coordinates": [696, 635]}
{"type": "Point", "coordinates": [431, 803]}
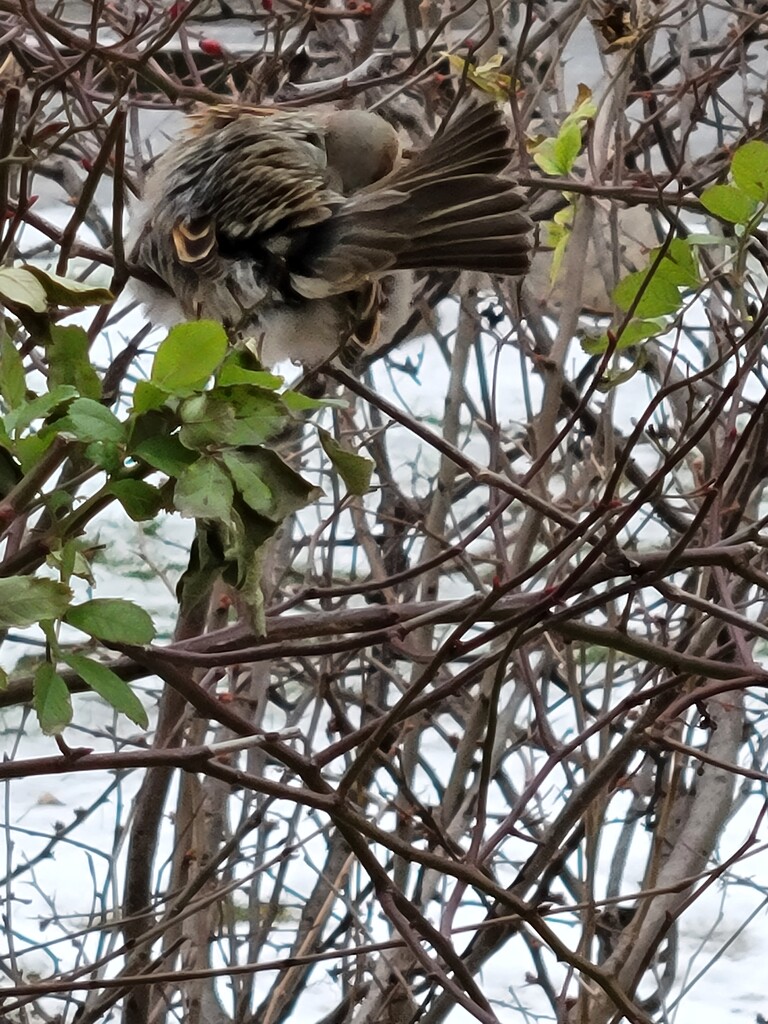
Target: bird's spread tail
{"type": "Point", "coordinates": [446, 209]}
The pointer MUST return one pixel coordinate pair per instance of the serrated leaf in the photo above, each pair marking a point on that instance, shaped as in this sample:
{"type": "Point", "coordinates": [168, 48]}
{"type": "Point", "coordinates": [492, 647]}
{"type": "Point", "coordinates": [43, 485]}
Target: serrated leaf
{"type": "Point", "coordinates": [288, 489]}
{"type": "Point", "coordinates": [69, 361]}
{"type": "Point", "coordinates": [729, 203]}
{"type": "Point", "coordinates": [658, 297]}
{"type": "Point", "coordinates": [188, 356]}
{"type": "Point", "coordinates": [678, 265]}
{"type": "Point", "coordinates": [749, 169]}
{"type": "Point", "coordinates": [112, 619]}
{"type": "Point", "coordinates": [63, 291]}
{"type": "Point", "coordinates": [353, 469]}
{"type": "Point", "coordinates": [166, 454]}
{"type": "Point", "coordinates": [237, 415]}
{"type": "Point", "coordinates": [140, 500]}
{"type": "Point", "coordinates": [39, 408]}
{"type": "Point", "coordinates": [109, 686]}
{"type": "Point", "coordinates": [204, 491]}
{"type": "Point", "coordinates": [13, 384]}
{"type": "Point", "coordinates": [88, 420]}
{"type": "Point", "coordinates": [21, 288]}
{"type": "Point", "coordinates": [245, 470]}
{"type": "Point", "coordinates": [51, 700]}
{"type": "Point", "coordinates": [70, 560]}
{"type": "Point", "coordinates": [25, 600]}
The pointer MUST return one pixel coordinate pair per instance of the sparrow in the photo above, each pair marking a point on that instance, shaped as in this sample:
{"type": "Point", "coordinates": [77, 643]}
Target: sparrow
{"type": "Point", "coordinates": [305, 233]}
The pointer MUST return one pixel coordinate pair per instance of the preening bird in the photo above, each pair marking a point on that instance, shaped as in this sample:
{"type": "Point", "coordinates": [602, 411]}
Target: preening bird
{"type": "Point", "coordinates": [305, 233]}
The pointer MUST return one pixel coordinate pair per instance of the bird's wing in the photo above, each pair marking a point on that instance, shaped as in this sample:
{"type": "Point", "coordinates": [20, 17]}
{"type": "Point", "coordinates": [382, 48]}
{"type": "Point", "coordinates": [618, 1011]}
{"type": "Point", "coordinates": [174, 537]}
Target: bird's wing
{"type": "Point", "coordinates": [445, 209]}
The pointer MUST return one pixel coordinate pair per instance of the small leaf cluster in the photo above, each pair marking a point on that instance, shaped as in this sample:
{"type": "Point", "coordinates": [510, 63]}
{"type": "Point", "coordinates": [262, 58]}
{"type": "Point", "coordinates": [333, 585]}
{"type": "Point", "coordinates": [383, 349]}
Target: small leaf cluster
{"type": "Point", "coordinates": [195, 441]}
{"type": "Point", "coordinates": [744, 199]}
{"type": "Point", "coordinates": [650, 298]}
{"type": "Point", "coordinates": [557, 156]}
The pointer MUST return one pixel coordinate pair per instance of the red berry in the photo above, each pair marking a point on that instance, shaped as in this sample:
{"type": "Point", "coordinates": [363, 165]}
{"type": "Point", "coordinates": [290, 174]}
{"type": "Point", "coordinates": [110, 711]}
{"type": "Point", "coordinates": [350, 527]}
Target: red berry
{"type": "Point", "coordinates": [266, 5]}
{"type": "Point", "coordinates": [177, 9]}
{"type": "Point", "coordinates": [211, 47]}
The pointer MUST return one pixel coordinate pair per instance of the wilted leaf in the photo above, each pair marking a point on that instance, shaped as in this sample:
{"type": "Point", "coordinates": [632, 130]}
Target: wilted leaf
{"type": "Point", "coordinates": [353, 469]}
{"type": "Point", "coordinates": [109, 686]}
{"type": "Point", "coordinates": [28, 599]}
{"type": "Point", "coordinates": [51, 700]}
{"type": "Point", "coordinates": [113, 620]}
{"type": "Point", "coordinates": [21, 288]}
{"type": "Point", "coordinates": [62, 291]}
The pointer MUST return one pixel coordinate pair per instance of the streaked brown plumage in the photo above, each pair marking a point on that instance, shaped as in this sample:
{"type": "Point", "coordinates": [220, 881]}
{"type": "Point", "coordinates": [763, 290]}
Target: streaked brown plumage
{"type": "Point", "coordinates": [306, 232]}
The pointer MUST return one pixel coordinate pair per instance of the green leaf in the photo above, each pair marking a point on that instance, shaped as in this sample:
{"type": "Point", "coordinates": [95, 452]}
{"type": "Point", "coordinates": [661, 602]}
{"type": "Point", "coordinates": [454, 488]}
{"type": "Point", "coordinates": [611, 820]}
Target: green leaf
{"type": "Point", "coordinates": [545, 156]}
{"type": "Point", "coordinates": [147, 397]}
{"type": "Point", "coordinates": [167, 454]}
{"type": "Point", "coordinates": [297, 402]}
{"type": "Point", "coordinates": [749, 169]}
{"type": "Point", "coordinates": [113, 620]}
{"type": "Point", "coordinates": [3, 680]}
{"type": "Point", "coordinates": [678, 265]}
{"type": "Point", "coordinates": [109, 686]}
{"type": "Point", "coordinates": [140, 500]}
{"type": "Point", "coordinates": [188, 356]}
{"type": "Point", "coordinates": [39, 408]}
{"type": "Point", "coordinates": [237, 415]}
{"type": "Point", "coordinates": [69, 362]}
{"type": "Point", "coordinates": [245, 469]}
{"type": "Point", "coordinates": [567, 147]}
{"type": "Point", "coordinates": [70, 560]}
{"type": "Point", "coordinates": [204, 491]}
{"type": "Point", "coordinates": [21, 288]}
{"type": "Point", "coordinates": [13, 384]}
{"type": "Point", "coordinates": [28, 599]}
{"type": "Point", "coordinates": [63, 291]}
{"type": "Point", "coordinates": [353, 469]}
{"type": "Point", "coordinates": [729, 203]}
{"type": "Point", "coordinates": [288, 489]}
{"type": "Point", "coordinates": [89, 420]}
{"type": "Point", "coordinates": [51, 700]}
{"type": "Point", "coordinates": [658, 298]}
{"type": "Point", "coordinates": [107, 455]}
{"type": "Point", "coordinates": [235, 370]}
